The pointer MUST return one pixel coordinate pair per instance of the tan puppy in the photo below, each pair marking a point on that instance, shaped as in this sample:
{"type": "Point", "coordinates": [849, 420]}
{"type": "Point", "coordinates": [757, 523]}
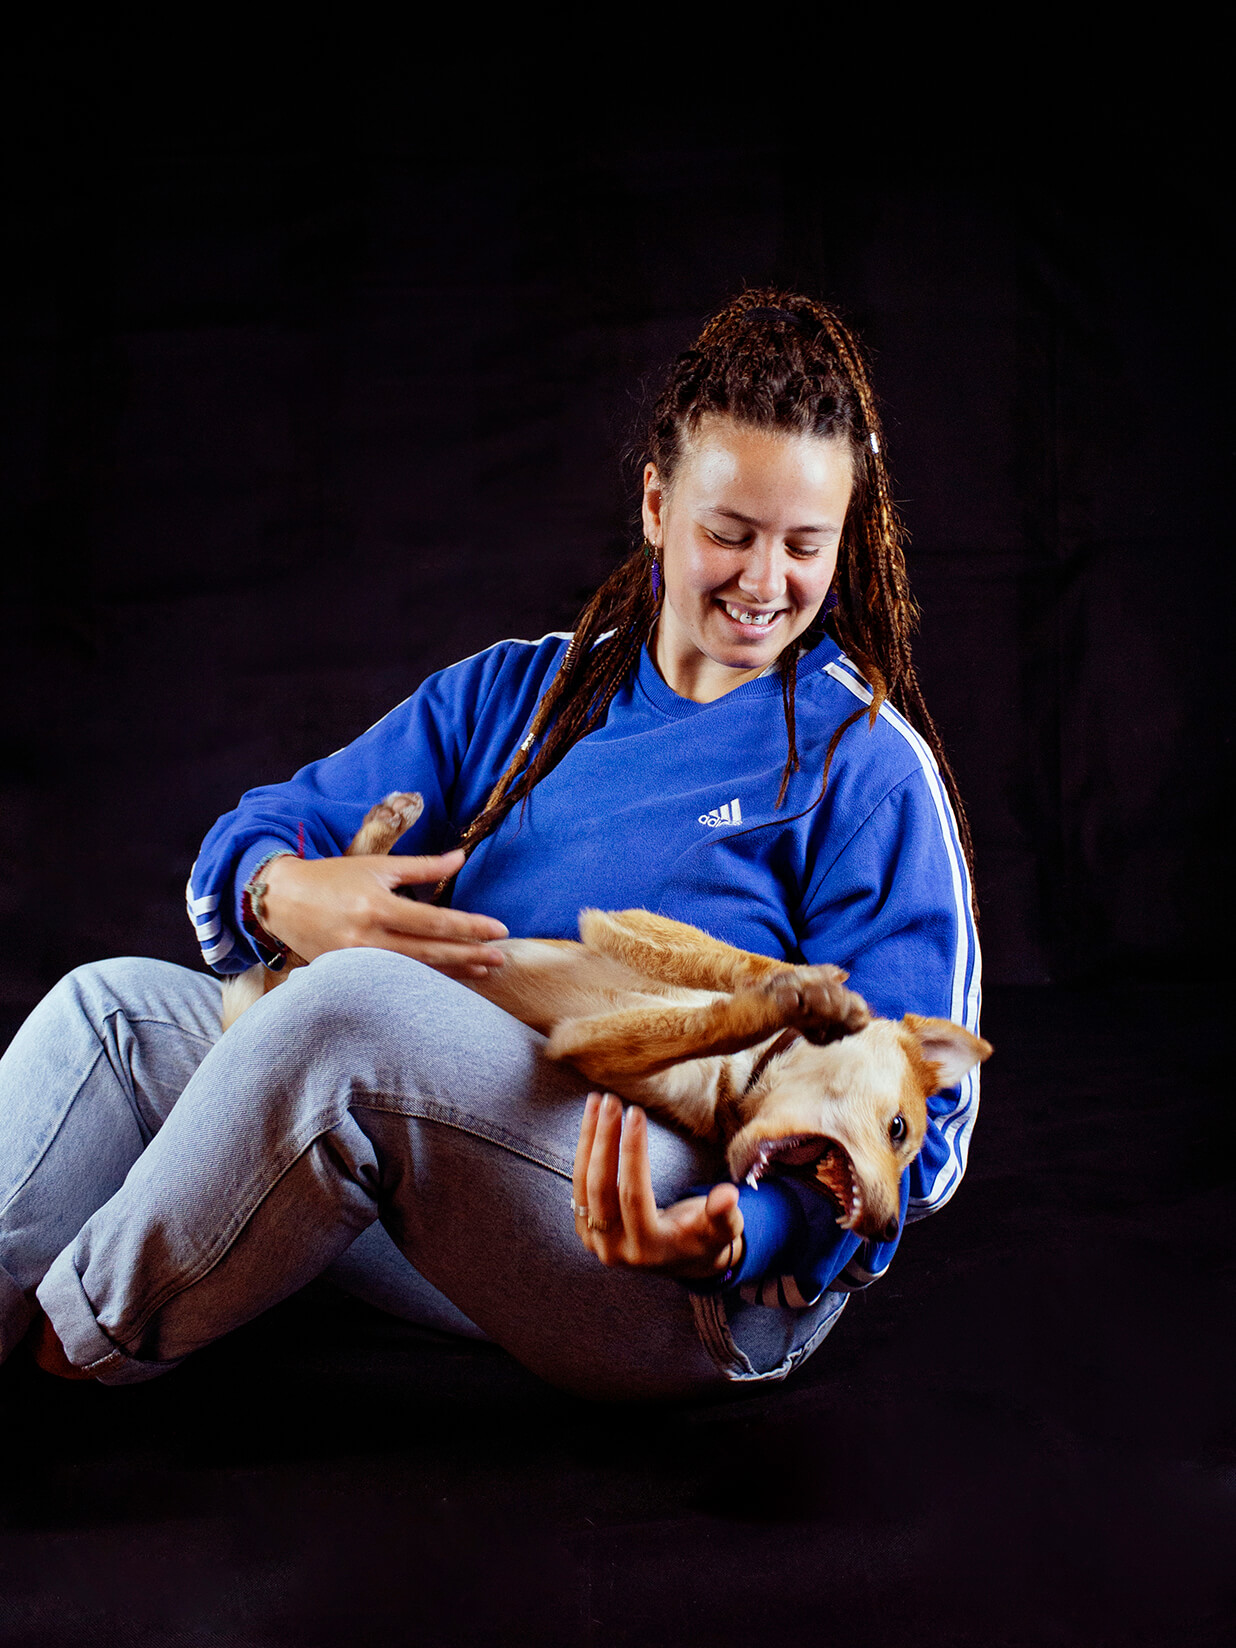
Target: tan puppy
{"type": "Point", "coordinates": [780, 1064]}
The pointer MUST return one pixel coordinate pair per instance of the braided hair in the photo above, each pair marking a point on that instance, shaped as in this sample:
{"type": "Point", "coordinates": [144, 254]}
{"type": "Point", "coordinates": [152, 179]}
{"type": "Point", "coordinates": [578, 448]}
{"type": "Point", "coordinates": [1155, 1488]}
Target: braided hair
{"type": "Point", "coordinates": [773, 360]}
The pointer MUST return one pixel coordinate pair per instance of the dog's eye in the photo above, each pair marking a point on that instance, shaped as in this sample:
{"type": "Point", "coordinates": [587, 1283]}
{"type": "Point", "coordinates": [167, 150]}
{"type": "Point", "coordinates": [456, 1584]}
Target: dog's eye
{"type": "Point", "coordinates": [897, 1129]}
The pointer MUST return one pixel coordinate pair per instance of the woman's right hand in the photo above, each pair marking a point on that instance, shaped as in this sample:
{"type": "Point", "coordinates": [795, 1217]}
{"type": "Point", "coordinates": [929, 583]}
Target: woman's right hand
{"type": "Point", "coordinates": [317, 904]}
{"type": "Point", "coordinates": [616, 1212]}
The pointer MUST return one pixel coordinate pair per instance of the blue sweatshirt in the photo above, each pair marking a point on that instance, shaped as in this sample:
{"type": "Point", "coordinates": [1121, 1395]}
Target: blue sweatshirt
{"type": "Point", "coordinates": [671, 806]}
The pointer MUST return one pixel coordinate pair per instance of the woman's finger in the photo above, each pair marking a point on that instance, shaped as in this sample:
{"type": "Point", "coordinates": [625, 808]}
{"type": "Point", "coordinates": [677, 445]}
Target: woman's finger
{"type": "Point", "coordinates": [635, 1193]}
{"type": "Point", "coordinates": [579, 1173]}
{"type": "Point", "coordinates": [421, 868]}
{"type": "Point", "coordinates": [725, 1217]}
{"type": "Point", "coordinates": [445, 957]}
{"type": "Point", "coordinates": [429, 921]}
{"type": "Point", "coordinates": [601, 1180]}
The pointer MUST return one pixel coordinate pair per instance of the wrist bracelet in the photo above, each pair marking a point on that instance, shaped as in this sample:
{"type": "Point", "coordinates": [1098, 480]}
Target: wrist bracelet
{"type": "Point", "coordinates": [719, 1280]}
{"type": "Point", "coordinates": [272, 951]}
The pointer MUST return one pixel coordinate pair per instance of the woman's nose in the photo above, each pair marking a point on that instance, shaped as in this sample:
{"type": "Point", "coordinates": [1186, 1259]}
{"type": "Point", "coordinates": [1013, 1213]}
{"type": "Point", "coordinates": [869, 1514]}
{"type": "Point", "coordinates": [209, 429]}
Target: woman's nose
{"type": "Point", "coordinates": [763, 576]}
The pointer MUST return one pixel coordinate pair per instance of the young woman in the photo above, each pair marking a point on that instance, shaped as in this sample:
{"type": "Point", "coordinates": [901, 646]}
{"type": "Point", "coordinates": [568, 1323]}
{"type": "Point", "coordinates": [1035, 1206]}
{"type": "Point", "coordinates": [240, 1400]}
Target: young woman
{"type": "Point", "coordinates": [734, 736]}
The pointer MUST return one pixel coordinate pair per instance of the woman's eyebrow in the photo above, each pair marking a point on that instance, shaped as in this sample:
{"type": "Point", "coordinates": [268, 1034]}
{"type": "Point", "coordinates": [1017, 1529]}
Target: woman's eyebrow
{"type": "Point", "coordinates": [748, 520]}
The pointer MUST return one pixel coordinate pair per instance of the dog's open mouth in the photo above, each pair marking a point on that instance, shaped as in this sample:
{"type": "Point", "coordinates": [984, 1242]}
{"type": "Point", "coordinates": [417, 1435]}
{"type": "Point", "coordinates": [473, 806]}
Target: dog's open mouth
{"type": "Point", "coordinates": [818, 1161]}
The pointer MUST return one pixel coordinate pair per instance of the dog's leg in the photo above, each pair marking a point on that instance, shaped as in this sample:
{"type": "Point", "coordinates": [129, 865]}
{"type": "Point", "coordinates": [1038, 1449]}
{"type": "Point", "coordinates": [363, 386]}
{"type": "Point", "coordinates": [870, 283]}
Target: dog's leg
{"type": "Point", "coordinates": [641, 1041]}
{"type": "Point", "coordinates": [674, 952]}
{"type": "Point", "coordinates": [385, 823]}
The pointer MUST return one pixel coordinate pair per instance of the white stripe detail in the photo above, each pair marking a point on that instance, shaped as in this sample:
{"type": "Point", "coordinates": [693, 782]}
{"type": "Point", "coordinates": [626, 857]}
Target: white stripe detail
{"type": "Point", "coordinates": [957, 1128]}
{"type": "Point", "coordinates": [197, 906]}
{"type": "Point", "coordinates": [208, 929]}
{"type": "Point", "coordinates": [858, 1276]}
{"type": "Point", "coordinates": [793, 1294]}
{"type": "Point", "coordinates": [217, 952]}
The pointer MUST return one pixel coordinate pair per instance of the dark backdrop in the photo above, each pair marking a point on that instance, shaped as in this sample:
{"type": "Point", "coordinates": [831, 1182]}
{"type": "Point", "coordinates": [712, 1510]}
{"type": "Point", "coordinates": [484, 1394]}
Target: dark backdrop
{"type": "Point", "coordinates": [322, 354]}
{"type": "Point", "coordinates": [315, 388]}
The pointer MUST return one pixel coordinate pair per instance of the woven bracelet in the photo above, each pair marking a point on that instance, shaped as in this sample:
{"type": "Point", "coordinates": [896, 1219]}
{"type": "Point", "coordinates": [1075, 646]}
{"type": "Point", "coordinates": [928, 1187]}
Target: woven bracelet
{"type": "Point", "coordinates": [272, 951]}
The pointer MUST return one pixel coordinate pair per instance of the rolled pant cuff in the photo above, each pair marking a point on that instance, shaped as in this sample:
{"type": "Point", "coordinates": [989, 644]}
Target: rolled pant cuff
{"type": "Point", "coordinates": [85, 1344]}
{"type": "Point", "coordinates": [16, 1313]}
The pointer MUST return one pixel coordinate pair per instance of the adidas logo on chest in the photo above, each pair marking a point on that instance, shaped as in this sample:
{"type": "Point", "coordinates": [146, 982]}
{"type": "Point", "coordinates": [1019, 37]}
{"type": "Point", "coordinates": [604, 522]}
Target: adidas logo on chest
{"type": "Point", "coordinates": [730, 813]}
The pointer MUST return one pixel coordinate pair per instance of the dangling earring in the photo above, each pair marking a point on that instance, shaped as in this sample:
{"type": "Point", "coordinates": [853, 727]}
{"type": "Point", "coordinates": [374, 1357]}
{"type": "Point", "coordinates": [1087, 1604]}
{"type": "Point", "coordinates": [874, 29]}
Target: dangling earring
{"type": "Point", "coordinates": [814, 632]}
{"type": "Point", "coordinates": [653, 554]}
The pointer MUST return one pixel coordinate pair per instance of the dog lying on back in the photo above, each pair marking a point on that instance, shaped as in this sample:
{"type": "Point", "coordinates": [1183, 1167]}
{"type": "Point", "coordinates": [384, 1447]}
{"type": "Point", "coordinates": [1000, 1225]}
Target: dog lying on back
{"type": "Point", "coordinates": [778, 1063]}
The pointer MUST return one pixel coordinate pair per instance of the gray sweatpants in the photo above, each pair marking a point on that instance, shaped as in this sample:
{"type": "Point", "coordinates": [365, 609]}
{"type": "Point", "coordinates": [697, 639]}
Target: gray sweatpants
{"type": "Point", "coordinates": [160, 1186]}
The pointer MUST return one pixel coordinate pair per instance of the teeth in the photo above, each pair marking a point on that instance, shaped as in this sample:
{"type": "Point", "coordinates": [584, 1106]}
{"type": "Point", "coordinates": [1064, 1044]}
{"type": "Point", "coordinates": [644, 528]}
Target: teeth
{"type": "Point", "coordinates": [758, 620]}
{"type": "Point", "coordinates": [757, 1169]}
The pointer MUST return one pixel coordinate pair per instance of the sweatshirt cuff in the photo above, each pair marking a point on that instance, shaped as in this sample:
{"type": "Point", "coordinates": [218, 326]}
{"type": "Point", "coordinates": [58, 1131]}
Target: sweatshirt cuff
{"type": "Point", "coordinates": [772, 1222]}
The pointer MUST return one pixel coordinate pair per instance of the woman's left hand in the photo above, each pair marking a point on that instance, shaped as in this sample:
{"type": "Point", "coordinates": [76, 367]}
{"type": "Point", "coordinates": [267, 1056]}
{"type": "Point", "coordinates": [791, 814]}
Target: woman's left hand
{"type": "Point", "coordinates": [698, 1238]}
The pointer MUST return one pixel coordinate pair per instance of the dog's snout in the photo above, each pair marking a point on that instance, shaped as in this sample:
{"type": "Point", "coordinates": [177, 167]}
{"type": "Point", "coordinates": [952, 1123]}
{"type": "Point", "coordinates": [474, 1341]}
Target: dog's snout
{"type": "Point", "coordinates": [891, 1230]}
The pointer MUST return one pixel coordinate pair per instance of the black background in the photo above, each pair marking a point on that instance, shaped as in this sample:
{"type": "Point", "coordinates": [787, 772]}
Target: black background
{"type": "Point", "coordinates": [325, 363]}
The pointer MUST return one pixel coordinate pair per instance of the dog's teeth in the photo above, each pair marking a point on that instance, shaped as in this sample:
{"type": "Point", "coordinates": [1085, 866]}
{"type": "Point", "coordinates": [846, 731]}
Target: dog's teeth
{"type": "Point", "coordinates": [753, 1179]}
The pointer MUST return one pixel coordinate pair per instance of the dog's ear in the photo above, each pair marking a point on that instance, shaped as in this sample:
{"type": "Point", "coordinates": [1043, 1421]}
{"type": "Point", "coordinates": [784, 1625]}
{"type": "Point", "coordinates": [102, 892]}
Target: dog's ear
{"type": "Point", "coordinates": [950, 1047]}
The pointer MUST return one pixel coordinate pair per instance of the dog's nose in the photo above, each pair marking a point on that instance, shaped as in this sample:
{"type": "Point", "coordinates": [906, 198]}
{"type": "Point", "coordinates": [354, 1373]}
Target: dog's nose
{"type": "Point", "coordinates": [889, 1233]}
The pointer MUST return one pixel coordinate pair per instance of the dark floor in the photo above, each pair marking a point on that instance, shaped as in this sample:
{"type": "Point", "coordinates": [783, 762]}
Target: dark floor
{"type": "Point", "coordinates": [1023, 1436]}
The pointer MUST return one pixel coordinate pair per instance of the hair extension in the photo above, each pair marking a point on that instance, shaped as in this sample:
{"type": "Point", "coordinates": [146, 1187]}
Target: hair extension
{"type": "Point", "coordinates": [775, 360]}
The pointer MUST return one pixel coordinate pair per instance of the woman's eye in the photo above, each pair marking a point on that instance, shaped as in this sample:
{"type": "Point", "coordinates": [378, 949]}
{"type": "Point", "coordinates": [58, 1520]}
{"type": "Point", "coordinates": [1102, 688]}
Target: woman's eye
{"type": "Point", "coordinates": [727, 543]}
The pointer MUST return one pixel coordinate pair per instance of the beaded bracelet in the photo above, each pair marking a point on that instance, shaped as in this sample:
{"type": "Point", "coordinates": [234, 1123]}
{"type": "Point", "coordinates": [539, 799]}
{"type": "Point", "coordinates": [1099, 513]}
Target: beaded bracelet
{"type": "Point", "coordinates": [730, 1266]}
{"type": "Point", "coordinates": [718, 1283]}
{"type": "Point", "coordinates": [272, 951]}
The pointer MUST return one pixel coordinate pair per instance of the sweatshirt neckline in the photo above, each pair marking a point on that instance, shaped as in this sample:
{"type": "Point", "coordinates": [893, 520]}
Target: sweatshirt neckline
{"type": "Point", "coordinates": [663, 697]}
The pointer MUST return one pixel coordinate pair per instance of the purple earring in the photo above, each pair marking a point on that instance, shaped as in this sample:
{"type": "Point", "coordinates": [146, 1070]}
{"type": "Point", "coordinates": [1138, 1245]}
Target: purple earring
{"type": "Point", "coordinates": [652, 553]}
{"type": "Point", "coordinates": [830, 602]}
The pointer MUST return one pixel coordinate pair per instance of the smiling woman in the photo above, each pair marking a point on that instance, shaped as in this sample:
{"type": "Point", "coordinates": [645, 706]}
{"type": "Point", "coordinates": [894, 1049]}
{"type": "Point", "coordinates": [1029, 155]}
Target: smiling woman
{"type": "Point", "coordinates": [747, 535]}
{"type": "Point", "coordinates": [693, 748]}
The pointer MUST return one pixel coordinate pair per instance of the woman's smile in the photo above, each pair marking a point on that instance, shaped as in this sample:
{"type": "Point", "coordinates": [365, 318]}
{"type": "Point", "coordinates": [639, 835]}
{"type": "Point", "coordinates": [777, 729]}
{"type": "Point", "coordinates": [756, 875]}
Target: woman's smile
{"type": "Point", "coordinates": [745, 618]}
{"type": "Point", "coordinates": [748, 529]}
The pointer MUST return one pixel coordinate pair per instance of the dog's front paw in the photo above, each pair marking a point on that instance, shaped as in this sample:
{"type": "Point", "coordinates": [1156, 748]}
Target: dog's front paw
{"type": "Point", "coordinates": [816, 1001]}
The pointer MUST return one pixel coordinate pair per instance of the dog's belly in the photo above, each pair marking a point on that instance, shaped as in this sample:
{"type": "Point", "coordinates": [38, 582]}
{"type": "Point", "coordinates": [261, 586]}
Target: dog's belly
{"type": "Point", "coordinates": [547, 980]}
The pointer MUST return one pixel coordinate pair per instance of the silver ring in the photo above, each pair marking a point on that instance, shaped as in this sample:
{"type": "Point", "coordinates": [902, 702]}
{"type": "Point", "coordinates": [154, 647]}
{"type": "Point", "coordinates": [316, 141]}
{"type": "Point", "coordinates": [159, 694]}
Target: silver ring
{"type": "Point", "coordinates": [578, 1210]}
{"type": "Point", "coordinates": [601, 1224]}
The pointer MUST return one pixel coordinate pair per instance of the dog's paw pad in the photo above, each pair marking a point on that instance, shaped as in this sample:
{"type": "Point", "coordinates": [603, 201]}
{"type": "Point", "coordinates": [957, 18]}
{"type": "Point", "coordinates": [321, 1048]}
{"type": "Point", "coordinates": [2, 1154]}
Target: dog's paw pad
{"type": "Point", "coordinates": [400, 807]}
{"type": "Point", "coordinates": [827, 1009]}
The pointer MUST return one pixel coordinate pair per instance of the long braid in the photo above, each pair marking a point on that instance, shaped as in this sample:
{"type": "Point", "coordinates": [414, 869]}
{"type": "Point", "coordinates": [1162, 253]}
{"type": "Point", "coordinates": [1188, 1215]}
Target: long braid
{"type": "Point", "coordinates": [887, 546]}
{"type": "Point", "coordinates": [773, 360]}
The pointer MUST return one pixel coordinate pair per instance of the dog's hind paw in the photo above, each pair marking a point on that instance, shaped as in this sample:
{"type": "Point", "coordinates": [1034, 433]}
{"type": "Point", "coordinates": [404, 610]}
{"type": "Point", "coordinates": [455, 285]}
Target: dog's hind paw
{"type": "Point", "coordinates": [386, 822]}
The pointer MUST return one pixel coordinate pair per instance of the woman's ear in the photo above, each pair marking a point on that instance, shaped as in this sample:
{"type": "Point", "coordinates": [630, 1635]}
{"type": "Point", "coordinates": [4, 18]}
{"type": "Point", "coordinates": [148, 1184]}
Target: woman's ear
{"type": "Point", "coordinates": [650, 511]}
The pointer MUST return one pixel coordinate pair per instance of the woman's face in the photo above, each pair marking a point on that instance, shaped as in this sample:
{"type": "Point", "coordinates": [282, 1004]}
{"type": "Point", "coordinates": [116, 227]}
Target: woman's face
{"type": "Point", "coordinates": [749, 533]}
